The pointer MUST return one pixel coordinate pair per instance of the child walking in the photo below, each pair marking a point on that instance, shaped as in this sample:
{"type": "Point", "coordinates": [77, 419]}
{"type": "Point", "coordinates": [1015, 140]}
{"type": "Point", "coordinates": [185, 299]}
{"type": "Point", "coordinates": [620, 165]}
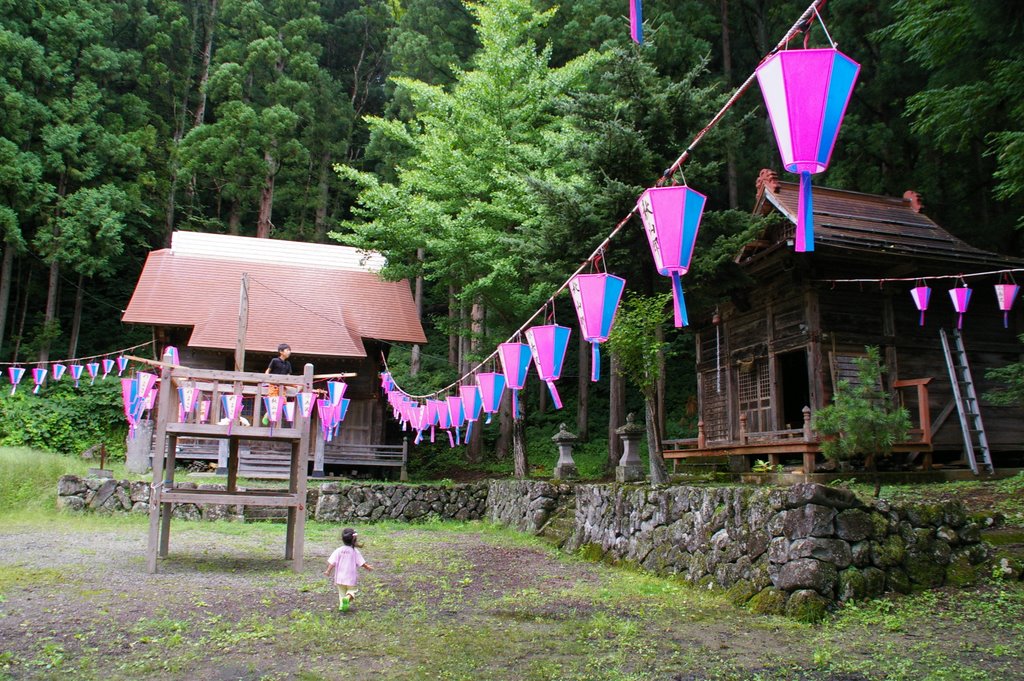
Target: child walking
{"type": "Point", "coordinates": [345, 562]}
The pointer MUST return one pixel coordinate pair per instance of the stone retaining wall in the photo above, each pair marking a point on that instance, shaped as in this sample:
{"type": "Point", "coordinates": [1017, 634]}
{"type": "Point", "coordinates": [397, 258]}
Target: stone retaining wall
{"type": "Point", "coordinates": [792, 550]}
{"type": "Point", "coordinates": [527, 505]}
{"type": "Point", "coordinates": [343, 503]}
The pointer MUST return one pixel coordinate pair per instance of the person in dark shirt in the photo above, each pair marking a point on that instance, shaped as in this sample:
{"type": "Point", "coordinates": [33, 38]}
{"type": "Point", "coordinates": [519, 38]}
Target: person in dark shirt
{"type": "Point", "coordinates": [279, 366]}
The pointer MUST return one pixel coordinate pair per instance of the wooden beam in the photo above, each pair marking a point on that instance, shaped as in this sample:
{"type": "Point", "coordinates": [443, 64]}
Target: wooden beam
{"type": "Point", "coordinates": [243, 322]}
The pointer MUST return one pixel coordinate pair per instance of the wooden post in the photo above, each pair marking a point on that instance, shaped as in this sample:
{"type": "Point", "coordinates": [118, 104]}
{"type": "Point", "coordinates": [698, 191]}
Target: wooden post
{"type": "Point", "coordinates": [298, 485]}
{"type": "Point", "coordinates": [403, 476]}
{"type": "Point", "coordinates": [233, 464]}
{"type": "Point", "coordinates": [743, 428]}
{"type": "Point", "coordinates": [243, 322]}
{"type": "Point", "coordinates": [159, 453]}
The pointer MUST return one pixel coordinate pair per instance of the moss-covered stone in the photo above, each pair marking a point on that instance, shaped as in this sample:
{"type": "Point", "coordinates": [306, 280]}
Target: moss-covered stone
{"type": "Point", "coordinates": [852, 585]}
{"type": "Point", "coordinates": [592, 552]}
{"type": "Point", "coordinates": [924, 515]}
{"type": "Point", "coordinates": [960, 572]}
{"type": "Point", "coordinates": [770, 601]}
{"type": "Point", "coordinates": [897, 580]}
{"type": "Point", "coordinates": [806, 606]}
{"type": "Point", "coordinates": [741, 592]}
{"type": "Point", "coordinates": [923, 570]}
{"type": "Point", "coordinates": [889, 552]}
{"type": "Point", "coordinates": [874, 582]}
{"type": "Point", "coordinates": [1006, 565]}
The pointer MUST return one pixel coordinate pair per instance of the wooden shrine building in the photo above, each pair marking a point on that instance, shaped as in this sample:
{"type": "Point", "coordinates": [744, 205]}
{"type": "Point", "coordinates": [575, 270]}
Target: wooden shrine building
{"type": "Point", "coordinates": [772, 355]}
{"type": "Point", "coordinates": [327, 302]}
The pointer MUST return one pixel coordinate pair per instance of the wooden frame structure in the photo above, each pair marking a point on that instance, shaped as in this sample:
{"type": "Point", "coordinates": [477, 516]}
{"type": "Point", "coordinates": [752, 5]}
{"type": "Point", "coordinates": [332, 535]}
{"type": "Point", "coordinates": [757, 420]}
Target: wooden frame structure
{"type": "Point", "coordinates": [164, 495]}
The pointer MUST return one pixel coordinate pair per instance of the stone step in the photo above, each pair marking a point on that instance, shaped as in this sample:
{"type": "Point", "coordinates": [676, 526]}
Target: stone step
{"type": "Point", "coordinates": [269, 514]}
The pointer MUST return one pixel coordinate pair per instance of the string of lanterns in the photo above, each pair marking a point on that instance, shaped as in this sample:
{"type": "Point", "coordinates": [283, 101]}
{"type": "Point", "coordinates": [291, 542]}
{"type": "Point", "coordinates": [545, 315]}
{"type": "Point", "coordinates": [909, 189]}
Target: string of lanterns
{"type": "Point", "coordinates": [1006, 291]}
{"type": "Point", "coordinates": [77, 367]}
{"type": "Point", "coordinates": [806, 93]}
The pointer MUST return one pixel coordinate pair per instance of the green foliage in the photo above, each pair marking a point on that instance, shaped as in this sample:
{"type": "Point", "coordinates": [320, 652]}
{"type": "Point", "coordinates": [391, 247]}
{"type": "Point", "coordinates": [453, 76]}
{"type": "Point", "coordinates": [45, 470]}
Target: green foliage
{"type": "Point", "coordinates": [862, 419]}
{"type": "Point", "coordinates": [65, 419]}
{"type": "Point", "coordinates": [1012, 375]}
{"type": "Point", "coordinates": [634, 338]}
{"type": "Point", "coordinates": [28, 479]}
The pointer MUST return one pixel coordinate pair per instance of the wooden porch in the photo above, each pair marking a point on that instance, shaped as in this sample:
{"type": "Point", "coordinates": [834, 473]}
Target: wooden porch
{"type": "Point", "coordinates": [804, 442]}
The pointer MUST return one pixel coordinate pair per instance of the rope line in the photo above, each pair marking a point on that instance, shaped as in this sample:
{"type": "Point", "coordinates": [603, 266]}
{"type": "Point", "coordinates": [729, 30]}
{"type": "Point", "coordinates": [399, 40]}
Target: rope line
{"type": "Point", "coordinates": [78, 359]}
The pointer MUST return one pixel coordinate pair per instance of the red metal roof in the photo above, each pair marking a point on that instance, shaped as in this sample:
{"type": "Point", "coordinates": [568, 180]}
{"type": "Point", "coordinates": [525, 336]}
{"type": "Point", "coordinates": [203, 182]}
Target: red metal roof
{"type": "Point", "coordinates": [316, 310]}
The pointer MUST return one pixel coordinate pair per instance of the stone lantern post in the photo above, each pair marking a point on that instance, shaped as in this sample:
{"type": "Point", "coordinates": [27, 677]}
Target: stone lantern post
{"type": "Point", "coordinates": [630, 468]}
{"type": "Point", "coordinates": [565, 469]}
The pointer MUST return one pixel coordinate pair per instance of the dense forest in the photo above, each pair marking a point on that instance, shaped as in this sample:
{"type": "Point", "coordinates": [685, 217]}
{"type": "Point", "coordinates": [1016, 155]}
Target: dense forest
{"type": "Point", "coordinates": [484, 147]}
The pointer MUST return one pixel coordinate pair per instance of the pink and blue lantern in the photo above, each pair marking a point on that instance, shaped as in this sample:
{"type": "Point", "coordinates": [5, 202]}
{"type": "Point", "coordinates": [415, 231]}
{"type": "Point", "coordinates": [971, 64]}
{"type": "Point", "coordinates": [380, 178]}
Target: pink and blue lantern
{"type": "Point", "coordinates": [596, 297]}
{"type": "Point", "coordinates": [289, 412]}
{"type": "Point", "coordinates": [961, 297]}
{"type": "Point", "coordinates": [94, 369]}
{"type": "Point", "coordinates": [204, 410]}
{"type": "Point", "coordinates": [58, 371]}
{"type": "Point", "coordinates": [472, 405]}
{"type": "Point", "coordinates": [15, 374]}
{"type": "Point", "coordinates": [548, 344]}
{"type": "Point", "coordinates": [457, 413]}
{"type": "Point", "coordinates": [38, 376]}
{"type": "Point", "coordinates": [171, 355]}
{"type": "Point", "coordinates": [1006, 294]}
{"type": "Point", "coordinates": [325, 414]}
{"type": "Point", "coordinates": [306, 402]}
{"type": "Point", "coordinates": [108, 365]}
{"type": "Point", "coordinates": [671, 217]}
{"type": "Point", "coordinates": [232, 405]}
{"type": "Point", "coordinates": [492, 387]}
{"type": "Point", "coordinates": [122, 364]}
{"type": "Point", "coordinates": [133, 403]}
{"type": "Point", "coordinates": [806, 93]}
{"type": "Point", "coordinates": [515, 363]}
{"type": "Point", "coordinates": [921, 294]}
{"type": "Point", "coordinates": [76, 372]}
{"type": "Point", "coordinates": [336, 391]}
{"type": "Point", "coordinates": [188, 396]}
{"type": "Point", "coordinates": [444, 420]}
{"type": "Point", "coordinates": [636, 21]}
{"type": "Point", "coordinates": [274, 405]}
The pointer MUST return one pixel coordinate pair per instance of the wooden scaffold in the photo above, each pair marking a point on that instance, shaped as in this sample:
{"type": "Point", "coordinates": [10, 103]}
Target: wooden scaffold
{"type": "Point", "coordinates": [214, 384]}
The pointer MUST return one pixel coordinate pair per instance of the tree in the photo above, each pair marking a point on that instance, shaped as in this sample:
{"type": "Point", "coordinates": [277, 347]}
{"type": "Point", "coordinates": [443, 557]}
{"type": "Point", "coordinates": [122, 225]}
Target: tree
{"type": "Point", "coordinates": [862, 419]}
{"type": "Point", "coordinates": [638, 352]}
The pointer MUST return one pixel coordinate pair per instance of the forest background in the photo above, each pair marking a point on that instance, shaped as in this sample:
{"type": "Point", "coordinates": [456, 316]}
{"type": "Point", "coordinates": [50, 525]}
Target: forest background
{"type": "Point", "coordinates": [485, 148]}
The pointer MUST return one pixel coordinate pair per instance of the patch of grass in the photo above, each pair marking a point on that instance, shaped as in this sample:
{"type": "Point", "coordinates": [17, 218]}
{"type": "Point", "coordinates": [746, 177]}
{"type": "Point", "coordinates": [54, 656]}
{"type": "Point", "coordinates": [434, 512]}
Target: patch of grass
{"type": "Point", "coordinates": [17, 576]}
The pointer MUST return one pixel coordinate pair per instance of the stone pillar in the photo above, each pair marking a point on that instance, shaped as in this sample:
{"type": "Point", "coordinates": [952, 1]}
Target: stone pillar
{"type": "Point", "coordinates": [630, 468]}
{"type": "Point", "coordinates": [222, 456]}
{"type": "Point", "coordinates": [565, 469]}
{"type": "Point", "coordinates": [140, 448]}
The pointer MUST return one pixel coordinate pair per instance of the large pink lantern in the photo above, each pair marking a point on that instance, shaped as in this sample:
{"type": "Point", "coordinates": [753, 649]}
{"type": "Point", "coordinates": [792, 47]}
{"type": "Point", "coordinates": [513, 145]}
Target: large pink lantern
{"type": "Point", "coordinates": [921, 294]}
{"type": "Point", "coordinates": [472, 404]}
{"type": "Point", "coordinates": [806, 93]}
{"type": "Point", "coordinates": [1005, 295]}
{"type": "Point", "coordinates": [548, 343]}
{"type": "Point", "coordinates": [492, 386]}
{"type": "Point", "coordinates": [515, 362]}
{"type": "Point", "coordinates": [596, 297]}
{"type": "Point", "coordinates": [458, 415]}
{"type": "Point", "coordinates": [38, 377]}
{"type": "Point", "coordinates": [961, 297]}
{"type": "Point", "coordinates": [671, 217]}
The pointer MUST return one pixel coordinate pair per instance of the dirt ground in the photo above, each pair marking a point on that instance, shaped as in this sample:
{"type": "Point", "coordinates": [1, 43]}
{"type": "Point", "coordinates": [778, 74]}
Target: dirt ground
{"type": "Point", "coordinates": [445, 602]}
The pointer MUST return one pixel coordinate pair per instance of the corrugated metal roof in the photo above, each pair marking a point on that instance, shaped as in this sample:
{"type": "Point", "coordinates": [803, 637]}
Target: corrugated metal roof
{"type": "Point", "coordinates": [227, 247]}
{"type": "Point", "coordinates": [848, 220]}
{"type": "Point", "coordinates": [318, 311]}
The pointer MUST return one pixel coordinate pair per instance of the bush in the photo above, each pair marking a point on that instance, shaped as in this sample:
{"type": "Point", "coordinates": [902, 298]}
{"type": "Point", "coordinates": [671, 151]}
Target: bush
{"type": "Point", "coordinates": [28, 479]}
{"type": "Point", "coordinates": [64, 419]}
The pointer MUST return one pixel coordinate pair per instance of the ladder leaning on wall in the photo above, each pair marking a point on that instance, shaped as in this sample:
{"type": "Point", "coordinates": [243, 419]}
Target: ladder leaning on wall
{"type": "Point", "coordinates": [966, 402]}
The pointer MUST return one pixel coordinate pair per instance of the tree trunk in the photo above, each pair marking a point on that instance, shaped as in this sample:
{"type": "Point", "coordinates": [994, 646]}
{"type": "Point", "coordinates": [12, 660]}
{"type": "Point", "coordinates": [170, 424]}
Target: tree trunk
{"type": "Point", "coordinates": [417, 296]}
{"type": "Point", "coordinates": [263, 223]}
{"type": "Point", "coordinates": [234, 218]}
{"type": "Point", "coordinates": [542, 397]}
{"type": "Point", "coordinates": [323, 197]}
{"type": "Point", "coordinates": [616, 411]}
{"type": "Point", "coordinates": [453, 336]}
{"type": "Point", "coordinates": [730, 154]}
{"type": "Point", "coordinates": [76, 320]}
{"type": "Point", "coordinates": [50, 315]}
{"type": "Point", "coordinates": [659, 476]}
{"type": "Point", "coordinates": [476, 316]}
{"type": "Point", "coordinates": [24, 311]}
{"type": "Point", "coordinates": [504, 441]}
{"type": "Point", "coordinates": [659, 336]}
{"type": "Point", "coordinates": [5, 289]}
{"type": "Point", "coordinates": [520, 464]}
{"type": "Point", "coordinates": [204, 64]}
{"type": "Point", "coordinates": [583, 387]}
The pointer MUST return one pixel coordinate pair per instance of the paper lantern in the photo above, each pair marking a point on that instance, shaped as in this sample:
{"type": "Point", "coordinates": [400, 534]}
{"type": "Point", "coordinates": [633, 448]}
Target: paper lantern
{"type": "Point", "coordinates": [289, 412]}
{"type": "Point", "coordinates": [492, 387]}
{"type": "Point", "coordinates": [1005, 295]}
{"type": "Point", "coordinates": [187, 398]}
{"type": "Point", "coordinates": [274, 406]}
{"type": "Point", "coordinates": [108, 365]}
{"type": "Point", "coordinates": [232, 405]}
{"type": "Point", "coordinates": [671, 217]}
{"type": "Point", "coordinates": [325, 416]}
{"type": "Point", "coordinates": [93, 368]}
{"type": "Point", "coordinates": [57, 371]}
{"type": "Point", "coordinates": [336, 391]}
{"type": "Point", "coordinates": [961, 297]}
{"type": "Point", "coordinates": [515, 362]}
{"type": "Point", "coordinates": [122, 364]}
{"type": "Point", "coordinates": [548, 343]}
{"type": "Point", "coordinates": [76, 372]}
{"type": "Point", "coordinates": [472, 405]}
{"type": "Point", "coordinates": [596, 297]}
{"type": "Point", "coordinates": [204, 410]}
{"type": "Point", "coordinates": [132, 402]}
{"type": "Point", "coordinates": [38, 376]}
{"type": "Point", "coordinates": [457, 413]}
{"type": "Point", "coordinates": [636, 21]}
{"type": "Point", "coordinates": [306, 401]}
{"type": "Point", "coordinates": [806, 93]}
{"type": "Point", "coordinates": [921, 294]}
{"type": "Point", "coordinates": [171, 355]}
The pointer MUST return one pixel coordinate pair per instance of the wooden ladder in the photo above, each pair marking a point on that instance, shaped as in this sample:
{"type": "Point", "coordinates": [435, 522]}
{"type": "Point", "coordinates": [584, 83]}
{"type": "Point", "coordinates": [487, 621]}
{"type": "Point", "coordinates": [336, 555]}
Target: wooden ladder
{"type": "Point", "coordinates": [966, 402]}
